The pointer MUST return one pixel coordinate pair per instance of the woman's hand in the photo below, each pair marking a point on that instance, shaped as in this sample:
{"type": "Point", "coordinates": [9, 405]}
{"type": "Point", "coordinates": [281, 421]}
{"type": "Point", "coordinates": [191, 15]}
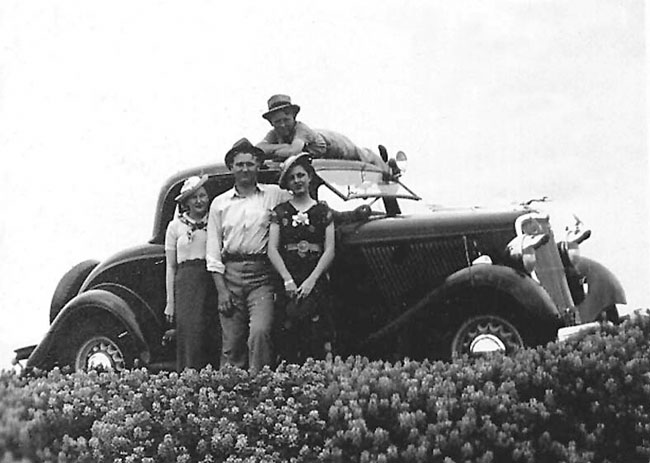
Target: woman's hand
{"type": "Point", "coordinates": [306, 288]}
{"type": "Point", "coordinates": [169, 312]}
{"type": "Point", "coordinates": [290, 287]}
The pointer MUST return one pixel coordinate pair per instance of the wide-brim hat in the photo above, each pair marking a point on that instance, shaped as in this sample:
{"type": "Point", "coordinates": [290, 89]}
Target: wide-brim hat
{"type": "Point", "coordinates": [302, 159]}
{"type": "Point", "coordinates": [280, 103]}
{"type": "Point", "coordinates": [190, 186]}
{"type": "Point", "coordinates": [243, 146]}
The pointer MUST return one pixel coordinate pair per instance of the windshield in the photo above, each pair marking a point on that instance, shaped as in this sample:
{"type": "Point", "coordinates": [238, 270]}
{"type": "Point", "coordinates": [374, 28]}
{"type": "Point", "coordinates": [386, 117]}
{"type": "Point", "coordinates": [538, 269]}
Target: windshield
{"type": "Point", "coordinates": [346, 189]}
{"type": "Point", "coordinates": [359, 183]}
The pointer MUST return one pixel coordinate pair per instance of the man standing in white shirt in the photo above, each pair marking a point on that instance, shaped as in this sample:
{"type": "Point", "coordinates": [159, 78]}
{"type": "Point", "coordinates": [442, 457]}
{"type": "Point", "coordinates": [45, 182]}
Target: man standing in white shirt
{"type": "Point", "coordinates": [238, 228]}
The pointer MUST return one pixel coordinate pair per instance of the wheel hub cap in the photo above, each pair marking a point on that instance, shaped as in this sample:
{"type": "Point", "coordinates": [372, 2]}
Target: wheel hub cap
{"type": "Point", "coordinates": [100, 353]}
{"type": "Point", "coordinates": [488, 334]}
{"type": "Point", "coordinates": [486, 343]}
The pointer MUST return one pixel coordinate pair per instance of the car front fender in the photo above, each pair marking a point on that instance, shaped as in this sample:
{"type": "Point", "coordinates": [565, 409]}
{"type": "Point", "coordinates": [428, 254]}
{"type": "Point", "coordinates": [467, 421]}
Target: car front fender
{"type": "Point", "coordinates": [603, 289]}
{"type": "Point", "coordinates": [79, 310]}
{"type": "Point", "coordinates": [523, 289]}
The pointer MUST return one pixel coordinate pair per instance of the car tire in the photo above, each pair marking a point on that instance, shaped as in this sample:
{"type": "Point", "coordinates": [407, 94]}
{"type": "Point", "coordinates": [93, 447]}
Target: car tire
{"type": "Point", "coordinates": [69, 286]}
{"type": "Point", "coordinates": [103, 344]}
{"type": "Point", "coordinates": [486, 333]}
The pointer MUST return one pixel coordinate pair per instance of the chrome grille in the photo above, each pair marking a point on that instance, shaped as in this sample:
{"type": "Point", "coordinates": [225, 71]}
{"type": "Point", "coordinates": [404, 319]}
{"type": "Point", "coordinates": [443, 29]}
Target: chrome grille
{"type": "Point", "coordinates": [550, 271]}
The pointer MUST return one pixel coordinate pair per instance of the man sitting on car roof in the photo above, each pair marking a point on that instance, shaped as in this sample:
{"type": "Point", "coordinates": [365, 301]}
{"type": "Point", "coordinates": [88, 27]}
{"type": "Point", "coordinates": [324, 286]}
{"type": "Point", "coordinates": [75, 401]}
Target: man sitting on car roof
{"type": "Point", "coordinates": [289, 137]}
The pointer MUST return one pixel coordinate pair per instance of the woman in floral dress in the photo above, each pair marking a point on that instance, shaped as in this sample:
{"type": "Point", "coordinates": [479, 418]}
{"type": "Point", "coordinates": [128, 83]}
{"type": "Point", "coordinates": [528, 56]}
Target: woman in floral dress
{"type": "Point", "coordinates": [301, 248]}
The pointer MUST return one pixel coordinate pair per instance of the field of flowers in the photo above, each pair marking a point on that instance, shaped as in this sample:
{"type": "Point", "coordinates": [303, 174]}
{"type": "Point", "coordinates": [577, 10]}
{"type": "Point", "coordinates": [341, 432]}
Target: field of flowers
{"type": "Point", "coordinates": [581, 401]}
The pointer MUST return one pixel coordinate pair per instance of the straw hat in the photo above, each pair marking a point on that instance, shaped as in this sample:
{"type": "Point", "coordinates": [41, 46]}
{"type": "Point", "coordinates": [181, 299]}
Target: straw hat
{"type": "Point", "coordinates": [190, 186]}
{"type": "Point", "coordinates": [302, 159]}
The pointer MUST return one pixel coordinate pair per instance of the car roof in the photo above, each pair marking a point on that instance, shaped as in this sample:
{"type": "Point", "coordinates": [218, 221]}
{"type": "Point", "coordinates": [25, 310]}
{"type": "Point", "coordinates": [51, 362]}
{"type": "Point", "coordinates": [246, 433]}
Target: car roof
{"type": "Point", "coordinates": [219, 168]}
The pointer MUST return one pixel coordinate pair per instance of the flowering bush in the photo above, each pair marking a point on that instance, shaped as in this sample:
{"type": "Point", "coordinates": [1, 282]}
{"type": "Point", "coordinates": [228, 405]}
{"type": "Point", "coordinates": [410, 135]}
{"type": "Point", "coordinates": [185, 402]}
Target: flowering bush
{"type": "Point", "coordinates": [580, 401]}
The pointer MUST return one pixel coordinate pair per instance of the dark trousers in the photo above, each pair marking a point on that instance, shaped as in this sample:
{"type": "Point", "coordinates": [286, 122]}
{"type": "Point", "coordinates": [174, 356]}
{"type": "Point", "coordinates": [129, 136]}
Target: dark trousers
{"type": "Point", "coordinates": [197, 324]}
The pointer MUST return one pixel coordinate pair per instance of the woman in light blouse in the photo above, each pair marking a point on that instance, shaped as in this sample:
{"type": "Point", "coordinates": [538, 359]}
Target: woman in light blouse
{"type": "Point", "coordinates": [188, 283]}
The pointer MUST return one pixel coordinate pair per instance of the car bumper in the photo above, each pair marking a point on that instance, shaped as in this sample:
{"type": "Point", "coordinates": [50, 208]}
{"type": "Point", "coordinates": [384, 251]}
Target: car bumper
{"type": "Point", "coordinates": [22, 353]}
{"type": "Point", "coordinates": [571, 332]}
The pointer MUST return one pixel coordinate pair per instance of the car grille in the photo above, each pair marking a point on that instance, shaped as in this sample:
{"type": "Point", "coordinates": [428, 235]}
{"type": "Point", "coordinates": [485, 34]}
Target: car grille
{"type": "Point", "coordinates": [410, 268]}
{"type": "Point", "coordinates": [550, 271]}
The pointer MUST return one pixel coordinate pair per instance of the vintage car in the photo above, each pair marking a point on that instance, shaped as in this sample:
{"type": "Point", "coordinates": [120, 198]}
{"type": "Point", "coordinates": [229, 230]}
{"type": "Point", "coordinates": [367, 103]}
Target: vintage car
{"type": "Point", "coordinates": [408, 279]}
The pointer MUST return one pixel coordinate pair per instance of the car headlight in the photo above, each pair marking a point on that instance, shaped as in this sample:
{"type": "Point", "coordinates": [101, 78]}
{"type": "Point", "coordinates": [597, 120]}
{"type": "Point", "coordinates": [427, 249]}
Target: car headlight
{"type": "Point", "coordinates": [531, 235]}
{"type": "Point", "coordinates": [396, 166]}
{"type": "Point", "coordinates": [569, 248]}
{"type": "Point", "coordinates": [401, 161]}
{"type": "Point", "coordinates": [522, 250]}
{"type": "Point", "coordinates": [569, 252]}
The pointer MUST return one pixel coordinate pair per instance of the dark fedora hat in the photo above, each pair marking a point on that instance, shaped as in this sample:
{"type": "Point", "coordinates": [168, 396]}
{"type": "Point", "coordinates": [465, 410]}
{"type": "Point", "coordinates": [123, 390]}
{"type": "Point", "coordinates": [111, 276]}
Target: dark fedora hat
{"type": "Point", "coordinates": [243, 146]}
{"type": "Point", "coordinates": [280, 103]}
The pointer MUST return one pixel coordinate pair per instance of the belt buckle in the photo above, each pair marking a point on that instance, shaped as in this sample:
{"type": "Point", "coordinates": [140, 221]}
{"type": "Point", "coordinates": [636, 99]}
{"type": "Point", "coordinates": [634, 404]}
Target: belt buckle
{"type": "Point", "coordinates": [303, 248]}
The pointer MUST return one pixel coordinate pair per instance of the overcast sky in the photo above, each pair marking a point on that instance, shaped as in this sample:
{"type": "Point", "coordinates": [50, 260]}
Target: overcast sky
{"type": "Point", "coordinates": [493, 102]}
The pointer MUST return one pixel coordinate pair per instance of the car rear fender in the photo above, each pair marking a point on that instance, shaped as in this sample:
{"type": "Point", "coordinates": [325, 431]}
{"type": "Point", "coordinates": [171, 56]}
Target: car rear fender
{"type": "Point", "coordinates": [142, 312]}
{"type": "Point", "coordinates": [603, 289]}
{"type": "Point", "coordinates": [75, 313]}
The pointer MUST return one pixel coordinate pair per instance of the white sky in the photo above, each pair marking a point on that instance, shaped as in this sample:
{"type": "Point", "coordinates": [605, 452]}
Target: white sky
{"type": "Point", "coordinates": [492, 101]}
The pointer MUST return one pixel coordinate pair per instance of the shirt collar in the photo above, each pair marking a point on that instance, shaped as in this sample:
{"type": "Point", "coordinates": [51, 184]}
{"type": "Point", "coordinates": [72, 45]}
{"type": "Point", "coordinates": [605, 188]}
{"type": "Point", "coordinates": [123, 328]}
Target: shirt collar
{"type": "Point", "coordinates": [258, 188]}
{"type": "Point", "coordinates": [187, 217]}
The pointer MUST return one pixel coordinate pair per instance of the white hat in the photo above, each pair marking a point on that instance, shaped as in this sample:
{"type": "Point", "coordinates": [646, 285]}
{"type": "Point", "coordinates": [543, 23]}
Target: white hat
{"type": "Point", "coordinates": [190, 186]}
{"type": "Point", "coordinates": [303, 159]}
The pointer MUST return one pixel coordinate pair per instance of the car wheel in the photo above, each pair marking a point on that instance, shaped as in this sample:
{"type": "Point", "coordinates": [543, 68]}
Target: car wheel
{"type": "Point", "coordinates": [486, 333]}
{"type": "Point", "coordinates": [101, 347]}
{"type": "Point", "coordinates": [99, 352]}
{"type": "Point", "coordinates": [69, 285]}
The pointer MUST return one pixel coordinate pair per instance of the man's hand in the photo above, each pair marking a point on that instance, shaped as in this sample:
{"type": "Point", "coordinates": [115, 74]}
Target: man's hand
{"type": "Point", "coordinates": [169, 336]}
{"type": "Point", "coordinates": [360, 213]}
{"type": "Point", "coordinates": [268, 148]}
{"type": "Point", "coordinates": [226, 306]}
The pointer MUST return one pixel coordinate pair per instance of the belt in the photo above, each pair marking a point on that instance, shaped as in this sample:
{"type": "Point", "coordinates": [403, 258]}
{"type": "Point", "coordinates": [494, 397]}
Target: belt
{"type": "Point", "coordinates": [303, 247]}
{"type": "Point", "coordinates": [240, 257]}
{"type": "Point", "coordinates": [192, 263]}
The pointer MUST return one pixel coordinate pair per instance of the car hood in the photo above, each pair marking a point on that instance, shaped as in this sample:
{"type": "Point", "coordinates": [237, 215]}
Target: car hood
{"type": "Point", "coordinates": [437, 223]}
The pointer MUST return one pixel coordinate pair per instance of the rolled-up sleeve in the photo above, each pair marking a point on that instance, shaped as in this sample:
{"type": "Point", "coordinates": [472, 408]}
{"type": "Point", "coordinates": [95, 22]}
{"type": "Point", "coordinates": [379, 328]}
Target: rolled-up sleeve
{"type": "Point", "coordinates": [271, 137]}
{"type": "Point", "coordinates": [213, 259]}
